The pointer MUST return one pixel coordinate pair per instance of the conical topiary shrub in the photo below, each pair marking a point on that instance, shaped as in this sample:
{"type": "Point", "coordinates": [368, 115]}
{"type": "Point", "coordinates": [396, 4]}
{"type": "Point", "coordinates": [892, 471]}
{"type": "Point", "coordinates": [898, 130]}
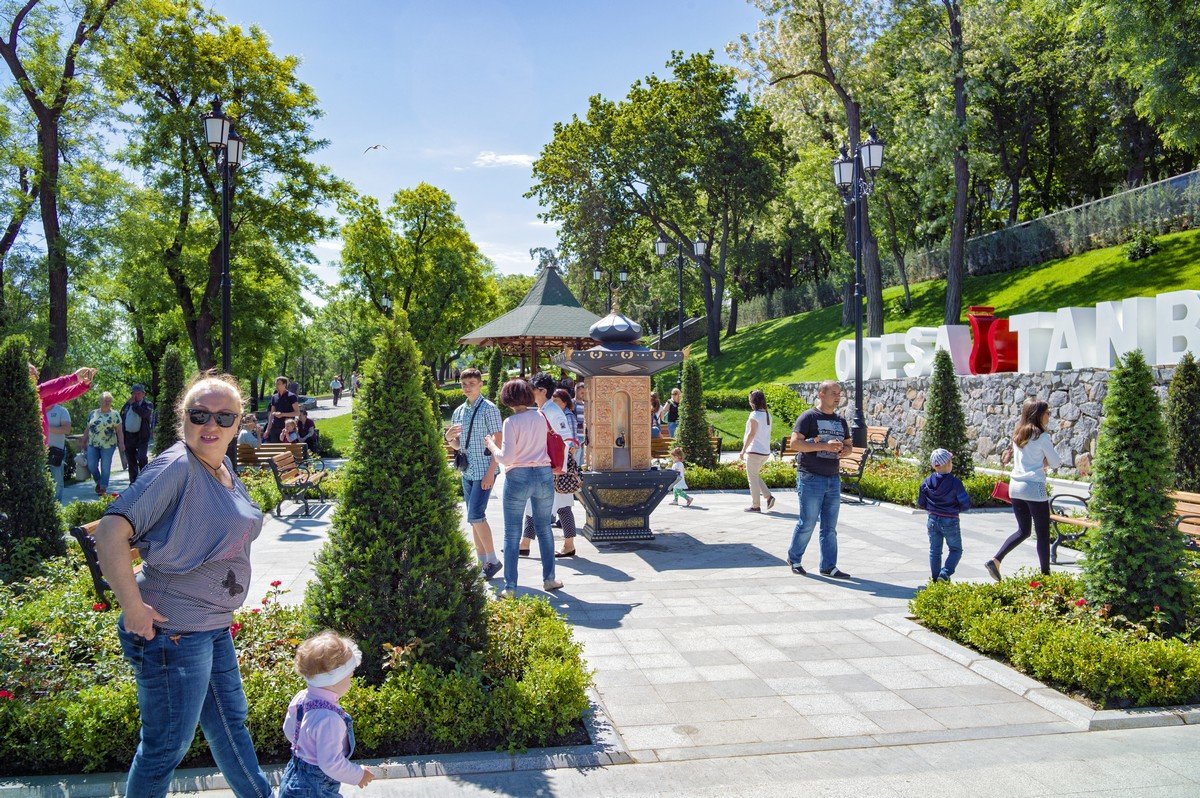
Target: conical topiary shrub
{"type": "Point", "coordinates": [945, 425]}
{"type": "Point", "coordinates": [30, 526]}
{"type": "Point", "coordinates": [1183, 423]}
{"type": "Point", "coordinates": [495, 375]}
{"type": "Point", "coordinates": [170, 387]}
{"type": "Point", "coordinates": [692, 432]}
{"type": "Point", "coordinates": [396, 569]}
{"type": "Point", "coordinates": [1135, 562]}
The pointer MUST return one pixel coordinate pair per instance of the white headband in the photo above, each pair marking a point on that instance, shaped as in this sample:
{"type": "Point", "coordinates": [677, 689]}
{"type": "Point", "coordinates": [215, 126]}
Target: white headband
{"type": "Point", "coordinates": [330, 678]}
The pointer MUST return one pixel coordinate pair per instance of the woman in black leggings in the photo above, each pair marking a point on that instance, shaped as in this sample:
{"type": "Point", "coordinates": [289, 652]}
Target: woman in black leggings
{"type": "Point", "coordinates": [1033, 454]}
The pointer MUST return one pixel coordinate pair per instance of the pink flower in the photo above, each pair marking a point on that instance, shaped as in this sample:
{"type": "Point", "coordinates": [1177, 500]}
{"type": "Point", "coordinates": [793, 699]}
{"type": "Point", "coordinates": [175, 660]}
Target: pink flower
{"type": "Point", "coordinates": [1156, 608]}
{"type": "Point", "coordinates": [276, 583]}
{"type": "Point", "coordinates": [99, 606]}
{"type": "Point", "coordinates": [266, 599]}
{"type": "Point", "coordinates": [6, 696]}
{"type": "Point", "coordinates": [1080, 602]}
{"type": "Point", "coordinates": [233, 630]}
{"type": "Point", "coordinates": [1035, 584]}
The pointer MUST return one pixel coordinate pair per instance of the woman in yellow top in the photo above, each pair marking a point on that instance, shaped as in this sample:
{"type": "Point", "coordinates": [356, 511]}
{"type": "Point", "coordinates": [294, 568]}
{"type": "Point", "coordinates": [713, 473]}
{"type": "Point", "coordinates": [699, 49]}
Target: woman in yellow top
{"type": "Point", "coordinates": [101, 437]}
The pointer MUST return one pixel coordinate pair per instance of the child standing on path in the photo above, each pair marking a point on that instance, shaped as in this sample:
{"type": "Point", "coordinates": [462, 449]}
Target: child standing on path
{"type": "Point", "coordinates": [942, 494]}
{"type": "Point", "coordinates": [320, 731]}
{"type": "Point", "coordinates": [680, 483]}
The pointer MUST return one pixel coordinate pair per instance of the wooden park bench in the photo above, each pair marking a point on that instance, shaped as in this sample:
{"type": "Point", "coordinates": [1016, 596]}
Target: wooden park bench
{"type": "Point", "coordinates": [84, 535]}
{"type": "Point", "coordinates": [1069, 527]}
{"type": "Point", "coordinates": [850, 468]}
{"type": "Point", "coordinates": [295, 481]}
{"type": "Point", "coordinates": [877, 439]}
{"type": "Point", "coordinates": [262, 454]}
{"type": "Point", "coordinates": [660, 447]}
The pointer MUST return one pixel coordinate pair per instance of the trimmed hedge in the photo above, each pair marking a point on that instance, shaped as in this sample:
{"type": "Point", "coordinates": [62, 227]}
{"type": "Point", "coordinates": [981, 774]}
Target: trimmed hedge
{"type": "Point", "coordinates": [1044, 627]}
{"type": "Point", "coordinates": [260, 483]}
{"type": "Point", "coordinates": [73, 705]}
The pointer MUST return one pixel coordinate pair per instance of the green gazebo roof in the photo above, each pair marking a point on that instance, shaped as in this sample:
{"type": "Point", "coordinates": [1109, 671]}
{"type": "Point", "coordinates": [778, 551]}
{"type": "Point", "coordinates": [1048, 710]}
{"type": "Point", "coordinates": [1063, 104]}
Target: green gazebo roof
{"type": "Point", "coordinates": [549, 317]}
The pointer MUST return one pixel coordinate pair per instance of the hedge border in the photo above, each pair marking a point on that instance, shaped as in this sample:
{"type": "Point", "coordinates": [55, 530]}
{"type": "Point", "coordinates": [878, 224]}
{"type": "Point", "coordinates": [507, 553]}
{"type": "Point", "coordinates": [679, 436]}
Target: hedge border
{"type": "Point", "coordinates": [1074, 712]}
{"type": "Point", "coordinates": [605, 748]}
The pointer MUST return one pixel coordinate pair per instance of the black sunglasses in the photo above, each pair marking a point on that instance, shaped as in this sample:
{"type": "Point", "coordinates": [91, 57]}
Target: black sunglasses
{"type": "Point", "coordinates": [224, 418]}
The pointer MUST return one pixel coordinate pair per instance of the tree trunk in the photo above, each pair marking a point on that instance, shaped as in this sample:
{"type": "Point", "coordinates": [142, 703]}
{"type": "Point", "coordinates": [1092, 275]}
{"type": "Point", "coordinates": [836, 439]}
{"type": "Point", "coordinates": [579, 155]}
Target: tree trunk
{"type": "Point", "coordinates": [957, 267]}
{"type": "Point", "coordinates": [56, 245]}
{"type": "Point", "coordinates": [731, 326]}
{"type": "Point", "coordinates": [848, 303]}
{"type": "Point", "coordinates": [897, 252]}
{"type": "Point", "coordinates": [254, 396]}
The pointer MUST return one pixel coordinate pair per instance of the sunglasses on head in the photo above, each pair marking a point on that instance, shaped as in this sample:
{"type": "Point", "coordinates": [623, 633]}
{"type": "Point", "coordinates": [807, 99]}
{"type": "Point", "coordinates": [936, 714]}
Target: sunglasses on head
{"type": "Point", "coordinates": [224, 418]}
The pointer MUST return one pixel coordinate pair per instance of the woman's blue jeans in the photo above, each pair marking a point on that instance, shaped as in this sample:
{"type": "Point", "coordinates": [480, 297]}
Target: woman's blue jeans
{"type": "Point", "coordinates": [183, 680]}
{"type": "Point", "coordinates": [99, 462]}
{"type": "Point", "coordinates": [536, 486]}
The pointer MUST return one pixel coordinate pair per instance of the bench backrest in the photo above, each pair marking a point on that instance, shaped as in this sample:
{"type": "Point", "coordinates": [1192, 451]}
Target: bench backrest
{"type": "Point", "coordinates": [253, 455]}
{"type": "Point", "coordinates": [1187, 510]}
{"type": "Point", "coordinates": [877, 437]}
{"type": "Point", "coordinates": [285, 466]}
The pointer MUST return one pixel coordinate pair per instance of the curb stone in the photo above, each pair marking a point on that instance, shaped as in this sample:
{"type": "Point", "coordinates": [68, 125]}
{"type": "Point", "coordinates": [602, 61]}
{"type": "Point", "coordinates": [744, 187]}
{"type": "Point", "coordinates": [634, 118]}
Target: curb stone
{"type": "Point", "coordinates": [1074, 712]}
{"type": "Point", "coordinates": [606, 748]}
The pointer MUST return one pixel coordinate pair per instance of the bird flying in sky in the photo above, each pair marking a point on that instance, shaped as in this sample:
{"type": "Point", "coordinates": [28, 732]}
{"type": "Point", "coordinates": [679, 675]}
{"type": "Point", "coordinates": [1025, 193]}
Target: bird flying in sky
{"type": "Point", "coordinates": [374, 147]}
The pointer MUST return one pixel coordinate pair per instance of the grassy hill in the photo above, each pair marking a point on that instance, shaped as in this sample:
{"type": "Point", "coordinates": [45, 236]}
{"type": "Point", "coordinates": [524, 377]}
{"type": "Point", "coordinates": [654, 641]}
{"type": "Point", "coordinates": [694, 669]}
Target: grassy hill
{"type": "Point", "coordinates": [801, 348]}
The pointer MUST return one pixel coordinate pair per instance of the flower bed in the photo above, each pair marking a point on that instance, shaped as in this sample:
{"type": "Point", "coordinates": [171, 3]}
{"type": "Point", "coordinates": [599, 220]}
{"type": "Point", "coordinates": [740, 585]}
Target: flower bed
{"type": "Point", "coordinates": [1044, 627]}
{"type": "Point", "coordinates": [68, 701]}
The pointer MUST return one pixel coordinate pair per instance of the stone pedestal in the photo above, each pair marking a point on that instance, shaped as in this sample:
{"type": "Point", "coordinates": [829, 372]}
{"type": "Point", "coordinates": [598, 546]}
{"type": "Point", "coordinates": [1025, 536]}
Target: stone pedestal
{"type": "Point", "coordinates": [619, 503]}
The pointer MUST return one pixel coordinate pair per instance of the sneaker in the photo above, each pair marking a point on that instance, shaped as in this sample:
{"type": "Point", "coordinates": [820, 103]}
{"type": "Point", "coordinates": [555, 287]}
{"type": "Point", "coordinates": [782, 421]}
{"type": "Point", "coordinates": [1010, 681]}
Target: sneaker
{"type": "Point", "coordinates": [753, 510]}
{"type": "Point", "coordinates": [770, 502]}
{"type": "Point", "coordinates": [835, 573]}
{"type": "Point", "coordinates": [553, 584]}
{"type": "Point", "coordinates": [490, 569]}
{"type": "Point", "coordinates": [943, 578]}
{"type": "Point", "coordinates": [797, 568]}
{"type": "Point", "coordinates": [690, 500]}
{"type": "Point", "coordinates": [992, 569]}
{"type": "Point", "coordinates": [508, 592]}
{"type": "Point", "coordinates": [675, 501]}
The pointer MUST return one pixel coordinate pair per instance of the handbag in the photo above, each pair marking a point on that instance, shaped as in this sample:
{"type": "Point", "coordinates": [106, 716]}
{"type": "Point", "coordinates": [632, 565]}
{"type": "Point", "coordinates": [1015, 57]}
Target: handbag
{"type": "Point", "coordinates": [1000, 492]}
{"type": "Point", "coordinates": [461, 462]}
{"type": "Point", "coordinates": [569, 481]}
{"type": "Point", "coordinates": [55, 456]}
{"type": "Point", "coordinates": [555, 448]}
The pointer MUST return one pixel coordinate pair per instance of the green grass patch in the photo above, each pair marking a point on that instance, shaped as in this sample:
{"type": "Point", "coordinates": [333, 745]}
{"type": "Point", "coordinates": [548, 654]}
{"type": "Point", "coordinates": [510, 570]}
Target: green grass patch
{"type": "Point", "coordinates": [337, 430]}
{"type": "Point", "coordinates": [801, 348]}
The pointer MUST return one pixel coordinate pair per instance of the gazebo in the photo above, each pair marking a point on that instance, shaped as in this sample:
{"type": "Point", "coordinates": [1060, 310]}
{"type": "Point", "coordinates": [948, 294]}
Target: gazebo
{"type": "Point", "coordinates": [548, 318]}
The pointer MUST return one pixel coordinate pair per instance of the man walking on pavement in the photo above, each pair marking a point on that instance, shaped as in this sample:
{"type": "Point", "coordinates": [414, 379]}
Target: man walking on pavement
{"type": "Point", "coordinates": [822, 438]}
{"type": "Point", "coordinates": [471, 423]}
{"type": "Point", "coordinates": [136, 417]}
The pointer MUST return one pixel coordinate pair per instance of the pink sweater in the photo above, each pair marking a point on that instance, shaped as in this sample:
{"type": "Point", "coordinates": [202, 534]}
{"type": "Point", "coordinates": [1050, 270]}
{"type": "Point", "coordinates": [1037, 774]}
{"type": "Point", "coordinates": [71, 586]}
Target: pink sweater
{"type": "Point", "coordinates": [55, 392]}
{"type": "Point", "coordinates": [321, 739]}
{"type": "Point", "coordinates": [524, 441]}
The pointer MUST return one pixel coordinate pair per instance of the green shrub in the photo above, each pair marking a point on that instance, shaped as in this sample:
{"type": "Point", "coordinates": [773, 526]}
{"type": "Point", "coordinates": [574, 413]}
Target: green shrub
{"type": "Point", "coordinates": [724, 399]}
{"type": "Point", "coordinates": [1045, 627]}
{"type": "Point", "coordinates": [1136, 557]}
{"type": "Point", "coordinates": [1142, 244]}
{"type": "Point", "coordinates": [396, 569]}
{"type": "Point", "coordinates": [495, 375]}
{"type": "Point", "coordinates": [33, 529]}
{"type": "Point", "coordinates": [74, 698]}
{"type": "Point", "coordinates": [260, 483]}
{"type": "Point", "coordinates": [80, 513]}
{"type": "Point", "coordinates": [449, 398]}
{"type": "Point", "coordinates": [898, 481]}
{"type": "Point", "coordinates": [732, 476]}
{"type": "Point", "coordinates": [786, 406]}
{"type": "Point", "coordinates": [945, 425]}
{"type": "Point", "coordinates": [692, 432]}
{"type": "Point", "coordinates": [1183, 420]}
{"type": "Point", "coordinates": [170, 388]}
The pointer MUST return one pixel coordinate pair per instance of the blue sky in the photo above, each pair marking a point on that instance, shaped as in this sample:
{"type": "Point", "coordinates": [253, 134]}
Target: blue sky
{"type": "Point", "coordinates": [464, 94]}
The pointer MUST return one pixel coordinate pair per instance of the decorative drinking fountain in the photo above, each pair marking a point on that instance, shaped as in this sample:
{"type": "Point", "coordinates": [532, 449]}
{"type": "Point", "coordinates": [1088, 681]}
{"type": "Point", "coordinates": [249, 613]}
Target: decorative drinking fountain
{"type": "Point", "coordinates": [620, 486]}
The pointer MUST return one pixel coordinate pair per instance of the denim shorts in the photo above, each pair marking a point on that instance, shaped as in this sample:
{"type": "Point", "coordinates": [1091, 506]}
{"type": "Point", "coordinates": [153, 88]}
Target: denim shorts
{"type": "Point", "coordinates": [476, 498]}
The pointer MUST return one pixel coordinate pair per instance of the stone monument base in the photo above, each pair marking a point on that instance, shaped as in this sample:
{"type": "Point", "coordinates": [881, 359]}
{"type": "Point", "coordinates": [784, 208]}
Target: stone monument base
{"type": "Point", "coordinates": [619, 503]}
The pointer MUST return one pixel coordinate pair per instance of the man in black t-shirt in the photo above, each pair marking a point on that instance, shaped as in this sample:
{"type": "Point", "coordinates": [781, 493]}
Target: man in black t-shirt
{"type": "Point", "coordinates": [282, 406]}
{"type": "Point", "coordinates": [822, 437]}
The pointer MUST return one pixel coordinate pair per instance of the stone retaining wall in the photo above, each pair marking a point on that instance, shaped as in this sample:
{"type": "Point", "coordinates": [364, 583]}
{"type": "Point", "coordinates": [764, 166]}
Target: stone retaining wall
{"type": "Point", "coordinates": [991, 404]}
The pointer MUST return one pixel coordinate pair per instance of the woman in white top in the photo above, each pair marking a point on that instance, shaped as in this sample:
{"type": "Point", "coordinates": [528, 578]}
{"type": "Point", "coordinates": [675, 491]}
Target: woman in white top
{"type": "Point", "coordinates": [756, 448]}
{"type": "Point", "coordinates": [1032, 454]}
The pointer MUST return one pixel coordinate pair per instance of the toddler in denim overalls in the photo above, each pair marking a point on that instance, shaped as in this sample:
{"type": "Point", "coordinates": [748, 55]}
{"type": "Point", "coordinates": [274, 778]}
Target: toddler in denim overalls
{"type": "Point", "coordinates": [320, 731]}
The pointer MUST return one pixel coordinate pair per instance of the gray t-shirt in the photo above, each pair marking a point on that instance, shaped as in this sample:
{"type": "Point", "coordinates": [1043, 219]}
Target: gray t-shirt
{"type": "Point", "coordinates": [57, 416]}
{"type": "Point", "coordinates": [194, 536]}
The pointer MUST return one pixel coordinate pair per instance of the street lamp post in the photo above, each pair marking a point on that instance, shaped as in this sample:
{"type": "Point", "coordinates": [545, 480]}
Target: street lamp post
{"type": "Point", "coordinates": [622, 276]}
{"type": "Point", "coordinates": [227, 149]}
{"type": "Point", "coordinates": [848, 171]}
{"type": "Point", "coordinates": [386, 301]}
{"type": "Point", "coordinates": [661, 247]}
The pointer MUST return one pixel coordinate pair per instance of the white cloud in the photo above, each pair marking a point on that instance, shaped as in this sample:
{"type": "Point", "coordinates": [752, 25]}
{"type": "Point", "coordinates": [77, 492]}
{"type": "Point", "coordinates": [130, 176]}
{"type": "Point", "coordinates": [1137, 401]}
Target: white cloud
{"type": "Point", "coordinates": [540, 224]}
{"type": "Point", "coordinates": [507, 258]}
{"type": "Point", "coordinates": [333, 245]}
{"type": "Point", "coordinates": [488, 159]}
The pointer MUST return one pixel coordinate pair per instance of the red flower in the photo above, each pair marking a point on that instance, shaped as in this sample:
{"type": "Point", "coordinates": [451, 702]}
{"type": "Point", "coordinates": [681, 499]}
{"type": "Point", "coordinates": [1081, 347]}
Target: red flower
{"type": "Point", "coordinates": [276, 583]}
{"type": "Point", "coordinates": [1081, 602]}
{"type": "Point", "coordinates": [6, 696]}
{"type": "Point", "coordinates": [266, 599]}
{"type": "Point", "coordinates": [1156, 608]}
{"type": "Point", "coordinates": [99, 606]}
{"type": "Point", "coordinates": [233, 630]}
{"type": "Point", "coordinates": [255, 611]}
{"type": "Point", "coordinates": [1035, 584]}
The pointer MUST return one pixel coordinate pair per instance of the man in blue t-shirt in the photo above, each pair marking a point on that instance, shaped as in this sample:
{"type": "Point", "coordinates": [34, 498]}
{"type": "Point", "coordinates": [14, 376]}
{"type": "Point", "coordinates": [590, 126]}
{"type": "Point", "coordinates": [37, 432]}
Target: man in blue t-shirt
{"type": "Point", "coordinates": [822, 438]}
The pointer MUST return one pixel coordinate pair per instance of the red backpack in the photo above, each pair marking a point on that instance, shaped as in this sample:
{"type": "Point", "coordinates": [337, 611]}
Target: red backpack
{"type": "Point", "coordinates": [555, 447]}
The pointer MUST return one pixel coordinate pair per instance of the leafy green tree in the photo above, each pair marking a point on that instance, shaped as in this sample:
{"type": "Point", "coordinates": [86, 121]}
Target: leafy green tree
{"type": "Point", "coordinates": [495, 375]}
{"type": "Point", "coordinates": [1136, 560]}
{"type": "Point", "coordinates": [1183, 423]}
{"type": "Point", "coordinates": [396, 569]}
{"type": "Point", "coordinates": [30, 527]}
{"type": "Point", "coordinates": [166, 434]}
{"type": "Point", "coordinates": [945, 425]}
{"type": "Point", "coordinates": [692, 432]}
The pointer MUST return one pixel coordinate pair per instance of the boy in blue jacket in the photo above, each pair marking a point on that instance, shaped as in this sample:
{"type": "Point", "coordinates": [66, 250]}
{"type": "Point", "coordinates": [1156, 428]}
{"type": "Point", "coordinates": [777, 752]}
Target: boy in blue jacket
{"type": "Point", "coordinates": [942, 494]}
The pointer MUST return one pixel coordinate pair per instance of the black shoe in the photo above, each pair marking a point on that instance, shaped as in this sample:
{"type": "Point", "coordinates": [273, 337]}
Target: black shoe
{"type": "Point", "coordinates": [770, 502]}
{"type": "Point", "coordinates": [992, 569]}
{"type": "Point", "coordinates": [797, 568]}
{"type": "Point", "coordinates": [835, 573]}
{"type": "Point", "coordinates": [491, 569]}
